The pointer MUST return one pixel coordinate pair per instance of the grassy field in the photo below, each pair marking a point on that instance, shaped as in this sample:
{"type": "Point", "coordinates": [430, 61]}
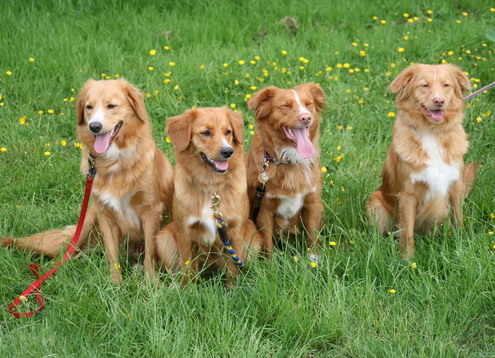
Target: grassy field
{"type": "Point", "coordinates": [361, 301]}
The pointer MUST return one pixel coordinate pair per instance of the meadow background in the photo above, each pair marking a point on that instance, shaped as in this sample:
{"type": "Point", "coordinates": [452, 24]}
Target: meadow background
{"type": "Point", "coordinates": [361, 300]}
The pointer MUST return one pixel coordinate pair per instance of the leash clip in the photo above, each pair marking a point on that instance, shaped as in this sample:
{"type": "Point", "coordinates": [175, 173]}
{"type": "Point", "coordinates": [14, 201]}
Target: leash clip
{"type": "Point", "coordinates": [92, 168]}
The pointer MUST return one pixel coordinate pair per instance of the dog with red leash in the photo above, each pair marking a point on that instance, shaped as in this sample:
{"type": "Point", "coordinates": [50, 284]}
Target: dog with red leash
{"type": "Point", "coordinates": [134, 184]}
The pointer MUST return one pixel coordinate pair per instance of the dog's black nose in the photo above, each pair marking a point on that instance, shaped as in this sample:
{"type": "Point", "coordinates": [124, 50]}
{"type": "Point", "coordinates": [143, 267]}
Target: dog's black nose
{"type": "Point", "coordinates": [95, 127]}
{"type": "Point", "coordinates": [226, 152]}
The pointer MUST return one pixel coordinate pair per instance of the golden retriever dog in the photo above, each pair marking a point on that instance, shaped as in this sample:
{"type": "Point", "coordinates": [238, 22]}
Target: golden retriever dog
{"type": "Point", "coordinates": [424, 173]}
{"type": "Point", "coordinates": [286, 139]}
{"type": "Point", "coordinates": [134, 180]}
{"type": "Point", "coordinates": [208, 144]}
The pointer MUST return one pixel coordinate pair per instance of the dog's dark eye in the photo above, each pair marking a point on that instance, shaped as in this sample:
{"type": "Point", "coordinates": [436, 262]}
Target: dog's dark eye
{"type": "Point", "coordinates": [308, 104]}
{"type": "Point", "coordinates": [206, 133]}
{"type": "Point", "coordinates": [110, 106]}
{"type": "Point", "coordinates": [286, 106]}
{"type": "Point", "coordinates": [228, 132]}
{"type": "Point", "coordinates": [88, 106]}
{"type": "Point", "coordinates": [446, 85]}
{"type": "Point", "coordinates": [425, 85]}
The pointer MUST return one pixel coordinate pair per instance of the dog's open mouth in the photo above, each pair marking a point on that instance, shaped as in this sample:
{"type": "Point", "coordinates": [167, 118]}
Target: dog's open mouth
{"type": "Point", "coordinates": [300, 136]}
{"type": "Point", "coordinates": [220, 166]}
{"type": "Point", "coordinates": [436, 115]}
{"type": "Point", "coordinates": [103, 141]}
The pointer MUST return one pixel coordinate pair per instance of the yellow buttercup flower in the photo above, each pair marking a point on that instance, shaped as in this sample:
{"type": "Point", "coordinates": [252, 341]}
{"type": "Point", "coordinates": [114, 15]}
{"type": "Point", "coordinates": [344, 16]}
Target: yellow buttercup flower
{"type": "Point", "coordinates": [151, 68]}
{"type": "Point", "coordinates": [283, 52]}
{"type": "Point", "coordinates": [324, 170]}
{"type": "Point", "coordinates": [152, 52]}
{"type": "Point", "coordinates": [31, 59]}
{"type": "Point", "coordinates": [22, 120]}
{"type": "Point", "coordinates": [3, 149]}
{"type": "Point", "coordinates": [313, 264]}
{"type": "Point", "coordinates": [167, 48]}
{"type": "Point", "coordinates": [63, 143]}
{"type": "Point", "coordinates": [413, 265]}
{"type": "Point", "coordinates": [168, 140]}
{"type": "Point", "coordinates": [50, 111]}
{"type": "Point", "coordinates": [233, 105]}
{"type": "Point", "coordinates": [391, 114]}
{"type": "Point", "coordinates": [47, 154]}
{"type": "Point", "coordinates": [332, 243]}
{"type": "Point", "coordinates": [392, 291]}
{"type": "Point", "coordinates": [172, 64]}
{"type": "Point", "coordinates": [401, 49]}
{"type": "Point", "coordinates": [241, 62]}
{"type": "Point", "coordinates": [8, 73]}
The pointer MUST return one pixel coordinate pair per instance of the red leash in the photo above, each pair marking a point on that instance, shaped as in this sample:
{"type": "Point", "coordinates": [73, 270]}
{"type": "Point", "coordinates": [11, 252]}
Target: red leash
{"type": "Point", "coordinates": [35, 286]}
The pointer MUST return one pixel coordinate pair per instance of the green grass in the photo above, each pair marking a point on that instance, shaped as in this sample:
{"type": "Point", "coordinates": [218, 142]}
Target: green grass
{"type": "Point", "coordinates": [280, 308]}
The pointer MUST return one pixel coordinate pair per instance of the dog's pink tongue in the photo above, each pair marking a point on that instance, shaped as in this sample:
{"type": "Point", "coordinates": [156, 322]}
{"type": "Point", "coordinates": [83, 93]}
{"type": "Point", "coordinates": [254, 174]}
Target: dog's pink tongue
{"type": "Point", "coordinates": [437, 115]}
{"type": "Point", "coordinates": [221, 165]}
{"type": "Point", "coordinates": [102, 142]}
{"type": "Point", "coordinates": [304, 146]}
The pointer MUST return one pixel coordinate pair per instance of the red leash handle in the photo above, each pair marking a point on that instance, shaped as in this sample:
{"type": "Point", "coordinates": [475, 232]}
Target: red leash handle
{"type": "Point", "coordinates": [35, 286]}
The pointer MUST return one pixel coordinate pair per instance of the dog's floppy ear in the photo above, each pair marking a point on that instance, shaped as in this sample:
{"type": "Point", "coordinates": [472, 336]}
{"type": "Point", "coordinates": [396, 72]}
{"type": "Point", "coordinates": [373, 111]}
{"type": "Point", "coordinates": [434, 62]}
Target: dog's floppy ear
{"type": "Point", "coordinates": [317, 94]}
{"type": "Point", "coordinates": [237, 123]}
{"type": "Point", "coordinates": [179, 129]}
{"type": "Point", "coordinates": [261, 102]}
{"type": "Point", "coordinates": [399, 85]}
{"type": "Point", "coordinates": [136, 100]}
{"type": "Point", "coordinates": [462, 81]}
{"type": "Point", "coordinates": [81, 100]}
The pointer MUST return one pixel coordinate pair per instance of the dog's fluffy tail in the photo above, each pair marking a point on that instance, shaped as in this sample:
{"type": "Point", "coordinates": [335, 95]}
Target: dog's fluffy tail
{"type": "Point", "coordinates": [51, 242]}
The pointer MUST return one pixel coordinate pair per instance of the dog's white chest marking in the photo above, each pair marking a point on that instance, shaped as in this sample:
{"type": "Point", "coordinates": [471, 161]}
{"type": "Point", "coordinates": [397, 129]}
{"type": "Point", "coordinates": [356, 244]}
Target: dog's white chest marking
{"type": "Point", "coordinates": [206, 220]}
{"type": "Point", "coordinates": [289, 206]}
{"type": "Point", "coordinates": [438, 175]}
{"type": "Point", "coordinates": [121, 206]}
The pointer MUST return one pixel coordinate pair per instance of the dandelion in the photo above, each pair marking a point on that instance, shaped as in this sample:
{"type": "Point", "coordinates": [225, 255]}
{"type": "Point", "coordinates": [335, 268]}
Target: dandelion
{"type": "Point", "coordinates": [172, 64]}
{"type": "Point", "coordinates": [492, 216]}
{"type": "Point", "coordinates": [152, 52]}
{"type": "Point", "coordinates": [77, 145]}
{"type": "Point", "coordinates": [8, 73]}
{"type": "Point", "coordinates": [241, 62]}
{"type": "Point", "coordinates": [458, 21]}
{"type": "Point", "coordinates": [391, 114]}
{"type": "Point", "coordinates": [47, 154]}
{"type": "Point", "coordinates": [226, 65]}
{"type": "Point", "coordinates": [3, 149]}
{"type": "Point", "coordinates": [167, 48]}
{"type": "Point", "coordinates": [237, 82]}
{"type": "Point", "coordinates": [354, 44]}
{"type": "Point", "coordinates": [491, 233]}
{"type": "Point", "coordinates": [31, 59]}
{"type": "Point", "coordinates": [167, 140]}
{"type": "Point", "coordinates": [247, 97]}
{"type": "Point", "coordinates": [406, 15]}
{"type": "Point", "coordinates": [383, 22]}
{"type": "Point", "coordinates": [362, 53]}
{"type": "Point", "coordinates": [151, 68]}
{"type": "Point", "coordinates": [465, 13]}
{"type": "Point", "coordinates": [283, 52]}
{"type": "Point", "coordinates": [413, 265]}
{"type": "Point", "coordinates": [233, 105]}
{"type": "Point", "coordinates": [176, 87]}
{"type": "Point", "coordinates": [250, 126]}
{"type": "Point", "coordinates": [202, 67]}
{"type": "Point", "coordinates": [332, 243]}
{"type": "Point", "coordinates": [22, 121]}
{"type": "Point", "coordinates": [429, 19]}
{"type": "Point", "coordinates": [346, 65]}
{"type": "Point", "coordinates": [253, 88]}
{"type": "Point", "coordinates": [374, 17]}
{"type": "Point", "coordinates": [405, 37]}
{"type": "Point", "coordinates": [329, 68]}
{"type": "Point", "coordinates": [349, 128]}
{"type": "Point", "coordinates": [401, 49]}
{"type": "Point", "coordinates": [429, 12]}
{"type": "Point", "coordinates": [324, 170]}
{"type": "Point", "coordinates": [392, 291]}
{"type": "Point", "coordinates": [410, 21]}
{"type": "Point", "coordinates": [313, 264]}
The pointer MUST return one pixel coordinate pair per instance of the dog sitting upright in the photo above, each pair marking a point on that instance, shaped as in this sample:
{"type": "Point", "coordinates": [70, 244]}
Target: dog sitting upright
{"type": "Point", "coordinates": [134, 180]}
{"type": "Point", "coordinates": [285, 151]}
{"type": "Point", "coordinates": [424, 173]}
{"type": "Point", "coordinates": [208, 145]}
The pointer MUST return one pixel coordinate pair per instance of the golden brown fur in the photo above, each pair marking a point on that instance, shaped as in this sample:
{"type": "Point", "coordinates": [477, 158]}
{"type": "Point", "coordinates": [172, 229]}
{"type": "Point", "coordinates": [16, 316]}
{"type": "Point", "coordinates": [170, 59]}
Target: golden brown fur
{"type": "Point", "coordinates": [134, 181]}
{"type": "Point", "coordinates": [191, 239]}
{"type": "Point", "coordinates": [424, 174]}
{"type": "Point", "coordinates": [293, 191]}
